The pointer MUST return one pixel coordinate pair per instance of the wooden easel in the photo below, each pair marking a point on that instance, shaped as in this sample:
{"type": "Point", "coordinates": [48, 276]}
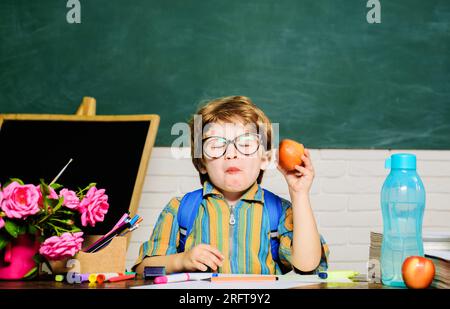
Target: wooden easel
{"type": "Point", "coordinates": [86, 112]}
{"type": "Point", "coordinates": [87, 107]}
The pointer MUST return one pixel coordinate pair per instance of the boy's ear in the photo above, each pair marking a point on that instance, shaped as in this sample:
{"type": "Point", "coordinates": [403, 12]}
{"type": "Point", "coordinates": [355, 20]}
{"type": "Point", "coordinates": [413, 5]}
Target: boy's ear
{"type": "Point", "coordinates": [202, 169]}
{"type": "Point", "coordinates": [266, 159]}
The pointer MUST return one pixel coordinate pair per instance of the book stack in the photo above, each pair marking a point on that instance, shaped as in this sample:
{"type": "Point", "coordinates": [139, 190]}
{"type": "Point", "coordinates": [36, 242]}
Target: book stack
{"type": "Point", "coordinates": [441, 260]}
{"type": "Point", "coordinates": [439, 241]}
{"type": "Point", "coordinates": [373, 266]}
{"type": "Point", "coordinates": [436, 246]}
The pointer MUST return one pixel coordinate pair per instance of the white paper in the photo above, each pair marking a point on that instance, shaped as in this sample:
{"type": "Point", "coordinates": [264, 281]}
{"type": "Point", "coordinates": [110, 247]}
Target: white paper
{"type": "Point", "coordinates": [287, 281]}
{"type": "Point", "coordinates": [311, 279]}
{"type": "Point", "coordinates": [225, 285]}
{"type": "Point", "coordinates": [439, 254]}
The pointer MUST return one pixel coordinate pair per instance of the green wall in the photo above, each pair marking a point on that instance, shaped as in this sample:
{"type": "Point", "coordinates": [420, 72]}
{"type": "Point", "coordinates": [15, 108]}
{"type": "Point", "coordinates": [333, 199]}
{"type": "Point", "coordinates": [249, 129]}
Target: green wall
{"type": "Point", "coordinates": [329, 78]}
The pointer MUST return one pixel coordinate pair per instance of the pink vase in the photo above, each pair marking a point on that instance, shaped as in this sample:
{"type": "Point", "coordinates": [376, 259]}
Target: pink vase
{"type": "Point", "coordinates": [16, 259]}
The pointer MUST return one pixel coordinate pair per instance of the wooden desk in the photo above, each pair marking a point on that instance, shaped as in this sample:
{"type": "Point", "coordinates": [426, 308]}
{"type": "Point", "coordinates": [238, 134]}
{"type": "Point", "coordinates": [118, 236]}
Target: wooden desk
{"type": "Point", "coordinates": [118, 294]}
{"type": "Point", "coordinates": [130, 283]}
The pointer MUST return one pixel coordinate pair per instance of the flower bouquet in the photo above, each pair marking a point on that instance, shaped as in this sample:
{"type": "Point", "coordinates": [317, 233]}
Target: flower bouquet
{"type": "Point", "coordinates": [40, 223]}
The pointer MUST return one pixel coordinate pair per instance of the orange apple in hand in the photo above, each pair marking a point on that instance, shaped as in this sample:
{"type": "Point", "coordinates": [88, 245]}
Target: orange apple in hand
{"type": "Point", "coordinates": [290, 154]}
{"type": "Point", "coordinates": [417, 272]}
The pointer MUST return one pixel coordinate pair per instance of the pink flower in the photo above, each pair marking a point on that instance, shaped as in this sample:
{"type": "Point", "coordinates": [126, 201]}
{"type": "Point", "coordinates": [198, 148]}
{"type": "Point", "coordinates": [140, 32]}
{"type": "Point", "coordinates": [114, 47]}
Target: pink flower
{"type": "Point", "coordinates": [66, 245]}
{"type": "Point", "coordinates": [53, 194]}
{"type": "Point", "coordinates": [70, 199]}
{"type": "Point", "coordinates": [2, 222]}
{"type": "Point", "coordinates": [20, 201]}
{"type": "Point", "coordinates": [94, 206]}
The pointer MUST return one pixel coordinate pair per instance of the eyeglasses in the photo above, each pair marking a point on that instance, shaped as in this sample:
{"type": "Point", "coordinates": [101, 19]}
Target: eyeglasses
{"type": "Point", "coordinates": [216, 146]}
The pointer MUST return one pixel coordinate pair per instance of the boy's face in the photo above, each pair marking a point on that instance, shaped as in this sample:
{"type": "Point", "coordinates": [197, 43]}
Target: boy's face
{"type": "Point", "coordinates": [238, 168]}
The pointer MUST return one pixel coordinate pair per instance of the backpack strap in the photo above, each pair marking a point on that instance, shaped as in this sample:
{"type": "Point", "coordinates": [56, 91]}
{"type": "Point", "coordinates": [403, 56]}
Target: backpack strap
{"type": "Point", "coordinates": [187, 211]}
{"type": "Point", "coordinates": [273, 204]}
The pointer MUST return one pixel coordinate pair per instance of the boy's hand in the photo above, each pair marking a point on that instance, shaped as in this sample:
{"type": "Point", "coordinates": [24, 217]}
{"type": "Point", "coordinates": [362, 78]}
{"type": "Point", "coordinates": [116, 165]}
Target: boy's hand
{"type": "Point", "coordinates": [201, 257]}
{"type": "Point", "coordinates": [300, 181]}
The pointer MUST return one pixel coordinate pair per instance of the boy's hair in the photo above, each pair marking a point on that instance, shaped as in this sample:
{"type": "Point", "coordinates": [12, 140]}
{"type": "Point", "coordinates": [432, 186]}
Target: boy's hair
{"type": "Point", "coordinates": [228, 109]}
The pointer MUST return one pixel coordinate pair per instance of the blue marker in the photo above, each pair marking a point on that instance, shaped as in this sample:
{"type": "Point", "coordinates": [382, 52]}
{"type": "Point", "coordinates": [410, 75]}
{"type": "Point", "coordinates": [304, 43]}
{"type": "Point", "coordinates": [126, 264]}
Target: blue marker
{"type": "Point", "coordinates": [322, 275]}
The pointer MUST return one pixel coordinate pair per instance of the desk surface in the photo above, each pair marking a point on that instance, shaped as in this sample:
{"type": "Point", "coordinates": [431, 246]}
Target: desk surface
{"type": "Point", "coordinates": [130, 283]}
{"type": "Point", "coordinates": [52, 294]}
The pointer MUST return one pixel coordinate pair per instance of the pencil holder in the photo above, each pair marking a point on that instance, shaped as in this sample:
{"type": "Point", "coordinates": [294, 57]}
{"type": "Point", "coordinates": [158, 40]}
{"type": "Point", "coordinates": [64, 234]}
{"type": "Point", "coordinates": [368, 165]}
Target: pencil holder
{"type": "Point", "coordinates": [110, 259]}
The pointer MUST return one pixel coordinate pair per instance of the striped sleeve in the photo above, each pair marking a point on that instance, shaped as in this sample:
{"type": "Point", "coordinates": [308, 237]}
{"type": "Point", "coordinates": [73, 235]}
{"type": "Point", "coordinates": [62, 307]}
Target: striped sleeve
{"type": "Point", "coordinates": [164, 238]}
{"type": "Point", "coordinates": [285, 228]}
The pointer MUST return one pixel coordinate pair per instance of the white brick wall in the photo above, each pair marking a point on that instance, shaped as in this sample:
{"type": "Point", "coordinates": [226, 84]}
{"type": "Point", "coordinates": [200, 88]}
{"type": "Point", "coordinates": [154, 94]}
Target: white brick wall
{"type": "Point", "coordinates": [344, 196]}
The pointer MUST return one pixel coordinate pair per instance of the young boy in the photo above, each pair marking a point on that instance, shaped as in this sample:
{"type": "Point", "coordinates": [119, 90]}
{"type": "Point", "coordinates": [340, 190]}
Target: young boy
{"type": "Point", "coordinates": [231, 231]}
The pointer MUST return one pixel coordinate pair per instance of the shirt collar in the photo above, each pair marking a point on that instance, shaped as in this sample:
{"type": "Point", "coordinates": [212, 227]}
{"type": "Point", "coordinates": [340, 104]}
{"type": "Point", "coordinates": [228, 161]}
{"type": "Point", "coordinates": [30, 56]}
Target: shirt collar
{"type": "Point", "coordinates": [254, 193]}
{"type": "Point", "coordinates": [209, 188]}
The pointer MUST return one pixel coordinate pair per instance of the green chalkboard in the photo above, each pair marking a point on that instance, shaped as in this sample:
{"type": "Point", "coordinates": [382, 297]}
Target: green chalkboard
{"type": "Point", "coordinates": [318, 68]}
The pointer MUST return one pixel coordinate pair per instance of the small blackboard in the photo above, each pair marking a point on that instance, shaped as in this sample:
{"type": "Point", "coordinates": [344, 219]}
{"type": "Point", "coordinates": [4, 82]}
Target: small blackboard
{"type": "Point", "coordinates": [112, 151]}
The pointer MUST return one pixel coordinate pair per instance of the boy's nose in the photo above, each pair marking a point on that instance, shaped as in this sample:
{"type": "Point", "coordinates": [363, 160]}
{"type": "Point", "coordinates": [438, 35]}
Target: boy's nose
{"type": "Point", "coordinates": [231, 152]}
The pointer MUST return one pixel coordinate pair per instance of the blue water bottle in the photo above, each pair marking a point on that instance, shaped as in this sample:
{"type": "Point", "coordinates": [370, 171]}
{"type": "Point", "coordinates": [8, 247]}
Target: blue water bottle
{"type": "Point", "coordinates": [403, 205]}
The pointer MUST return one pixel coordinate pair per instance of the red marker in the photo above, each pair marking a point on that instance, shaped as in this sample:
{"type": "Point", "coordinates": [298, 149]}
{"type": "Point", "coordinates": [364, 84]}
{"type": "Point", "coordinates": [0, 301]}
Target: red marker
{"type": "Point", "coordinates": [121, 278]}
{"type": "Point", "coordinates": [105, 276]}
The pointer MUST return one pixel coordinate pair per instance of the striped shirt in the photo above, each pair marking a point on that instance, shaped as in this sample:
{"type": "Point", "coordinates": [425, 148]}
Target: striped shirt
{"type": "Point", "coordinates": [245, 244]}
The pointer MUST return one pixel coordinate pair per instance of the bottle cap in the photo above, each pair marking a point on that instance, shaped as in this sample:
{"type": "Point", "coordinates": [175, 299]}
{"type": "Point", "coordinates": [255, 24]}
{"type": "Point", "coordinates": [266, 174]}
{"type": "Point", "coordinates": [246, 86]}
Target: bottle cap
{"type": "Point", "coordinates": [323, 275]}
{"type": "Point", "coordinates": [401, 161]}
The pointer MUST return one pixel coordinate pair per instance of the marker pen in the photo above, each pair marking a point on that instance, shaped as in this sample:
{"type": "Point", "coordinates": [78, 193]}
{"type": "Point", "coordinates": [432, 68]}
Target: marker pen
{"type": "Point", "coordinates": [243, 278]}
{"type": "Point", "coordinates": [121, 278]}
{"type": "Point", "coordinates": [106, 276]}
{"type": "Point", "coordinates": [171, 278]}
{"type": "Point", "coordinates": [92, 278]}
{"type": "Point", "coordinates": [59, 278]}
{"type": "Point", "coordinates": [322, 275]}
{"type": "Point", "coordinates": [80, 278]}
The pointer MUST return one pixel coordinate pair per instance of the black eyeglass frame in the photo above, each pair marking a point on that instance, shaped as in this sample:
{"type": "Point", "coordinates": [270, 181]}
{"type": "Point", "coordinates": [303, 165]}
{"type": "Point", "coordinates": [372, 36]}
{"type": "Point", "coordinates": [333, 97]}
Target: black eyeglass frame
{"type": "Point", "coordinates": [228, 142]}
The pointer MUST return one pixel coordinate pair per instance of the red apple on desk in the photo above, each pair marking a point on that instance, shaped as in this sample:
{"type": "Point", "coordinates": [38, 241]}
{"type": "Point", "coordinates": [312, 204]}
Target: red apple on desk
{"type": "Point", "coordinates": [417, 272]}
